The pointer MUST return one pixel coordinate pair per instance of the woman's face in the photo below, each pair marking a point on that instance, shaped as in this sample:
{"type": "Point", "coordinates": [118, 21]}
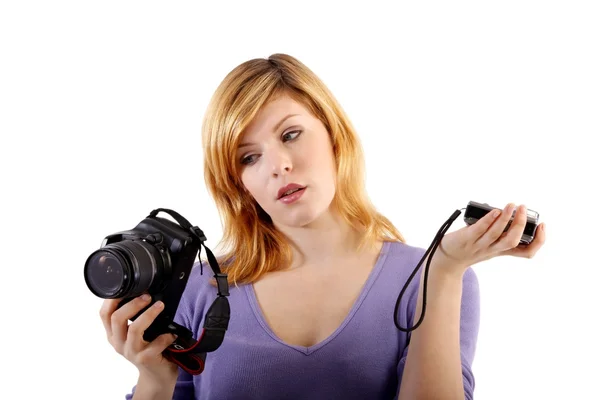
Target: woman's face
{"type": "Point", "coordinates": [283, 145]}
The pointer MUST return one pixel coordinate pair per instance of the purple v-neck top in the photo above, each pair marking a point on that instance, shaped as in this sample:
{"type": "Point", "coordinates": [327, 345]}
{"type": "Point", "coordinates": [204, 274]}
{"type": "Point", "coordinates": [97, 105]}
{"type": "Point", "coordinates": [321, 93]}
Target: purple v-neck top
{"type": "Point", "coordinates": [363, 359]}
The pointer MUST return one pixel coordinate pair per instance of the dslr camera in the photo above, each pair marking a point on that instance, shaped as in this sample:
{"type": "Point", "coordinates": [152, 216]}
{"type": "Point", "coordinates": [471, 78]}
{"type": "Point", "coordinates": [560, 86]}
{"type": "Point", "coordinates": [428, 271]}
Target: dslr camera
{"type": "Point", "coordinates": [156, 257]}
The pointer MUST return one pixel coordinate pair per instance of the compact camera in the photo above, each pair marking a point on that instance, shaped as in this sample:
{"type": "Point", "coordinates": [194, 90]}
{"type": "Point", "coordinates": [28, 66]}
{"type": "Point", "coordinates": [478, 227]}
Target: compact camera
{"type": "Point", "coordinates": [473, 213]}
{"type": "Point", "coordinates": [156, 257]}
{"type": "Point", "coordinates": [476, 211]}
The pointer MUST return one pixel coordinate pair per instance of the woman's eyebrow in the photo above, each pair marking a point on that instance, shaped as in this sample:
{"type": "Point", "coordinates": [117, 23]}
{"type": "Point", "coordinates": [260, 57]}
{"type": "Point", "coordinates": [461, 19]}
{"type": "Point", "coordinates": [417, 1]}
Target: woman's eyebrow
{"type": "Point", "coordinates": [275, 128]}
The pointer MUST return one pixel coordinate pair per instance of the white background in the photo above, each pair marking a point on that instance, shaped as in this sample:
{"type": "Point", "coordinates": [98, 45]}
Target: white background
{"type": "Point", "coordinates": [100, 114]}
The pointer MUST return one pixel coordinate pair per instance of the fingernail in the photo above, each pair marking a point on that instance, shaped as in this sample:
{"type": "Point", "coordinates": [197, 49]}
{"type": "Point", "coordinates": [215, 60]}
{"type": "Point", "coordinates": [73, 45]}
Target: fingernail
{"type": "Point", "coordinates": [145, 297]}
{"type": "Point", "coordinates": [158, 304]}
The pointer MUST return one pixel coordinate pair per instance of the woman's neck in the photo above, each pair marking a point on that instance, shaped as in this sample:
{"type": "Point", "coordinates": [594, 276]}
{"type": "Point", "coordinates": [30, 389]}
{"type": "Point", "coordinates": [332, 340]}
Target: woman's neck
{"type": "Point", "coordinates": [323, 242]}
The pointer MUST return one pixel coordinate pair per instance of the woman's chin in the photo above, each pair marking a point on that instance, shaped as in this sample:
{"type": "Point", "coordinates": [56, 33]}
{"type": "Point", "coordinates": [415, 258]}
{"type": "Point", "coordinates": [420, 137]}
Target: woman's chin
{"type": "Point", "coordinates": [300, 218]}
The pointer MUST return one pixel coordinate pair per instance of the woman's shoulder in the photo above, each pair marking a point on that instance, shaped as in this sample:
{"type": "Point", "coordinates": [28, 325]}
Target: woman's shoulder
{"type": "Point", "coordinates": [199, 294]}
{"type": "Point", "coordinates": [401, 259]}
{"type": "Point", "coordinates": [401, 256]}
{"type": "Point", "coordinates": [199, 282]}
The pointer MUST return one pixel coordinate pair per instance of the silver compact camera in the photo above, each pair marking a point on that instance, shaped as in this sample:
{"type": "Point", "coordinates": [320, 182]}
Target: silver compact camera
{"type": "Point", "coordinates": [476, 211]}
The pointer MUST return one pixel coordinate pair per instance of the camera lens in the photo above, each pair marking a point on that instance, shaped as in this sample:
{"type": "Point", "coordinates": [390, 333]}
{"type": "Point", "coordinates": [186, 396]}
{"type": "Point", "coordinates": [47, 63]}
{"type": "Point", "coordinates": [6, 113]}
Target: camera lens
{"type": "Point", "coordinates": [123, 269]}
{"type": "Point", "coordinates": [106, 273]}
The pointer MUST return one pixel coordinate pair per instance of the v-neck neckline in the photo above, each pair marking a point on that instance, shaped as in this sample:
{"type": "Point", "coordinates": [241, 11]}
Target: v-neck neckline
{"type": "Point", "coordinates": [250, 292]}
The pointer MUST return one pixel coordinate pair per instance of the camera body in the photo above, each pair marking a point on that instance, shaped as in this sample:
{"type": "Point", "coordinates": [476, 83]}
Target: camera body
{"type": "Point", "coordinates": [155, 257]}
{"type": "Point", "coordinates": [476, 211]}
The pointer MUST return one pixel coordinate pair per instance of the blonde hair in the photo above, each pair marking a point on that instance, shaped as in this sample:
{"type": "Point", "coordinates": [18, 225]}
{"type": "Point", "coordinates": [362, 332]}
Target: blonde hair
{"type": "Point", "coordinates": [253, 245]}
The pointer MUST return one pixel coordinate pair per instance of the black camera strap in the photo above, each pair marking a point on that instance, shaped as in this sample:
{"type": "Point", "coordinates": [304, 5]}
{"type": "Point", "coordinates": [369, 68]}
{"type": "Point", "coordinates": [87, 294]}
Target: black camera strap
{"type": "Point", "coordinates": [429, 255]}
{"type": "Point", "coordinates": [187, 352]}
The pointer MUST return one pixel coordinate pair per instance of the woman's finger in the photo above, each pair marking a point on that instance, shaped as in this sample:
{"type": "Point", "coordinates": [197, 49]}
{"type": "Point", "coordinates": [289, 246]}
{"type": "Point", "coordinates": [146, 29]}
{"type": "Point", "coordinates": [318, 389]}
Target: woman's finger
{"type": "Point", "coordinates": [496, 230]}
{"type": "Point", "coordinates": [159, 344]}
{"type": "Point", "coordinates": [528, 251]}
{"type": "Point", "coordinates": [479, 229]}
{"type": "Point", "coordinates": [120, 318]}
{"type": "Point", "coordinates": [135, 333]}
{"type": "Point", "coordinates": [106, 311]}
{"type": "Point", "coordinates": [515, 232]}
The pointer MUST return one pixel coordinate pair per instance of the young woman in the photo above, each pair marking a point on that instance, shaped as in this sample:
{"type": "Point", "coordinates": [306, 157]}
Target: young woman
{"type": "Point", "coordinates": [316, 270]}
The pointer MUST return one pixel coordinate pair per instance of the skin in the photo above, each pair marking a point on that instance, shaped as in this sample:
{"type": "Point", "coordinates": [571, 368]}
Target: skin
{"type": "Point", "coordinates": [433, 365]}
{"type": "Point", "coordinates": [275, 158]}
{"type": "Point", "coordinates": [324, 250]}
{"type": "Point", "coordinates": [298, 151]}
{"type": "Point", "coordinates": [319, 238]}
{"type": "Point", "coordinates": [157, 375]}
{"type": "Point", "coordinates": [305, 303]}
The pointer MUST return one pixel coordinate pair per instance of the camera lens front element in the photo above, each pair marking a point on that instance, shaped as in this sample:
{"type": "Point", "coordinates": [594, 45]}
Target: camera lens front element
{"type": "Point", "coordinates": [124, 269]}
{"type": "Point", "coordinates": [106, 272]}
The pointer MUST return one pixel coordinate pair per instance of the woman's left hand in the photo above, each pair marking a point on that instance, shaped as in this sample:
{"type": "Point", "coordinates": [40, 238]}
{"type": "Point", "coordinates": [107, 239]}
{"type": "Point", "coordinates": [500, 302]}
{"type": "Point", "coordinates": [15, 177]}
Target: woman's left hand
{"type": "Point", "coordinates": [486, 239]}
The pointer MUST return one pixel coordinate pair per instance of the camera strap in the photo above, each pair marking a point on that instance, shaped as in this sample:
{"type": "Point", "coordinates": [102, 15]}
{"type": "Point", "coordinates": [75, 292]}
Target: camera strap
{"type": "Point", "coordinates": [429, 255]}
{"type": "Point", "coordinates": [187, 352]}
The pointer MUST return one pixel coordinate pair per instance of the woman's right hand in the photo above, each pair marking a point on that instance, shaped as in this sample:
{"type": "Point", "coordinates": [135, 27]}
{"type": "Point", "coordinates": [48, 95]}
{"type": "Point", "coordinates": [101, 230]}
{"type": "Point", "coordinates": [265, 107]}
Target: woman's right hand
{"type": "Point", "coordinates": [127, 339]}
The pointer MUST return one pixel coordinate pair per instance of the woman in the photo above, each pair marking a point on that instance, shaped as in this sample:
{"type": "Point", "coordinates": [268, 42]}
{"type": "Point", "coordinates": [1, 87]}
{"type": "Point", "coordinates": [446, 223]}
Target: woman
{"type": "Point", "coordinates": [316, 269]}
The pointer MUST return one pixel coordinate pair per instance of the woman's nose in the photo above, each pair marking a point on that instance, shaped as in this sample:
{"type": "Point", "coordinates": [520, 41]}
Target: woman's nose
{"type": "Point", "coordinates": [281, 163]}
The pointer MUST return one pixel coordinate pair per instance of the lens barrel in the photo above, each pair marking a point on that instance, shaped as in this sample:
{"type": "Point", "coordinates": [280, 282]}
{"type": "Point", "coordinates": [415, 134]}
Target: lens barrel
{"type": "Point", "coordinates": [123, 269]}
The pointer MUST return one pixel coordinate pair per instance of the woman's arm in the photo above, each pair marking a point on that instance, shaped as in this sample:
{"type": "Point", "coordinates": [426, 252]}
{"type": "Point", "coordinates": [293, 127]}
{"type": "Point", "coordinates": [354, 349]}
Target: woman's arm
{"type": "Point", "coordinates": [433, 362]}
{"type": "Point", "coordinates": [434, 366]}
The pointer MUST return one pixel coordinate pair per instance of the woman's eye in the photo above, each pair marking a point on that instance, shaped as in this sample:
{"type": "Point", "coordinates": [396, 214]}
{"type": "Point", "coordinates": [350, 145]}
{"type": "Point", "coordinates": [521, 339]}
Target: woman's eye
{"type": "Point", "coordinates": [248, 159]}
{"type": "Point", "coordinates": [288, 136]}
{"type": "Point", "coordinates": [294, 135]}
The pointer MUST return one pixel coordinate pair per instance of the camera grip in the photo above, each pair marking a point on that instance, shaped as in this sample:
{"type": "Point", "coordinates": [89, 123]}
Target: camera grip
{"type": "Point", "coordinates": [190, 354]}
{"type": "Point", "coordinates": [182, 353]}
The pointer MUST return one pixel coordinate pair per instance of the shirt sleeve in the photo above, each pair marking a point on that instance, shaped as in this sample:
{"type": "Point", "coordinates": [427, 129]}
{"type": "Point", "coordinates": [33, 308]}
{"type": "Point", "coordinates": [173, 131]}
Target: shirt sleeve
{"type": "Point", "coordinates": [469, 330]}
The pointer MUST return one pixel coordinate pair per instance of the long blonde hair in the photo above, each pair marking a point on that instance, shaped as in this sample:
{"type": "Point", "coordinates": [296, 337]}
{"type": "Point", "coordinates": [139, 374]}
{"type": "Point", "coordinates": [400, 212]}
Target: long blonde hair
{"type": "Point", "coordinates": [253, 245]}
